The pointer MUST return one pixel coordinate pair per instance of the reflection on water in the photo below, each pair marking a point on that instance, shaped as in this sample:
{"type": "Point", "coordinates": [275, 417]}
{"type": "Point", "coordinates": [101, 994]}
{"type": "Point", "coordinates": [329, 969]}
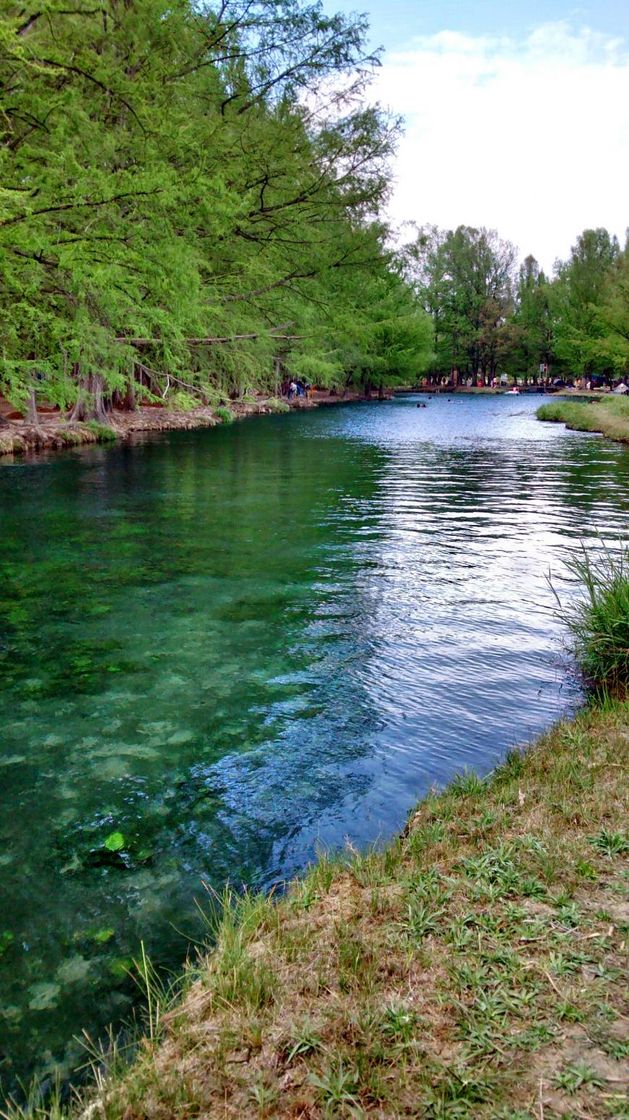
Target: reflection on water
{"type": "Point", "coordinates": [232, 646]}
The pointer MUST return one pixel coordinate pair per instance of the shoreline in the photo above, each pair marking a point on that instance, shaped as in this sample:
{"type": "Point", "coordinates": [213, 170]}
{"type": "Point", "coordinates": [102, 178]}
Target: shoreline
{"type": "Point", "coordinates": [606, 415]}
{"type": "Point", "coordinates": [18, 438]}
{"type": "Point", "coordinates": [471, 969]}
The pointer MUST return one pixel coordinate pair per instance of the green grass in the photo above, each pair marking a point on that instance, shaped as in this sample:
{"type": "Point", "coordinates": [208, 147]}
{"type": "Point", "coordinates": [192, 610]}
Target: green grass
{"type": "Point", "coordinates": [103, 433]}
{"type": "Point", "coordinates": [224, 414]}
{"type": "Point", "coordinates": [598, 619]}
{"type": "Point", "coordinates": [608, 415]}
{"type": "Point", "coordinates": [276, 404]}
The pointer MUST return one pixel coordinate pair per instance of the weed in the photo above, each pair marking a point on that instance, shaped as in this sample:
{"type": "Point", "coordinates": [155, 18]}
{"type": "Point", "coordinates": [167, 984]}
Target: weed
{"type": "Point", "coordinates": [467, 785]}
{"type": "Point", "coordinates": [573, 1077]}
{"type": "Point", "coordinates": [421, 920]}
{"type": "Point", "coordinates": [425, 837]}
{"type": "Point", "coordinates": [610, 843]}
{"type": "Point", "coordinates": [458, 934]}
{"type": "Point", "coordinates": [336, 1086]}
{"type": "Point", "coordinates": [616, 1048]}
{"type": "Point", "coordinates": [103, 433]}
{"type": "Point", "coordinates": [456, 1090]}
{"type": "Point", "coordinates": [399, 1023]}
{"type": "Point", "coordinates": [275, 404]}
{"type": "Point", "coordinates": [598, 619]}
{"type": "Point", "coordinates": [354, 961]}
{"type": "Point", "coordinates": [303, 1040]}
{"type": "Point", "coordinates": [265, 1096]}
{"type": "Point", "coordinates": [585, 870]}
{"type": "Point", "coordinates": [569, 1013]}
{"type": "Point", "coordinates": [224, 414]}
{"type": "Point", "coordinates": [569, 915]}
{"type": "Point", "coordinates": [368, 870]}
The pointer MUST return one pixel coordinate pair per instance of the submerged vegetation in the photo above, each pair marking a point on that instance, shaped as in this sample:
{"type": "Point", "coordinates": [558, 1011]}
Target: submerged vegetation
{"type": "Point", "coordinates": [472, 969]}
{"type": "Point", "coordinates": [609, 415]}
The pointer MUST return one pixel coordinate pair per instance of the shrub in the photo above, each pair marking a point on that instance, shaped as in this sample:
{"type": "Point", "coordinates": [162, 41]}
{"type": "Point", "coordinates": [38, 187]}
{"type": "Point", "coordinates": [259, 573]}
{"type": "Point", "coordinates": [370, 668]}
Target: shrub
{"type": "Point", "coordinates": [277, 405]}
{"type": "Point", "coordinates": [224, 414]}
{"type": "Point", "coordinates": [103, 432]}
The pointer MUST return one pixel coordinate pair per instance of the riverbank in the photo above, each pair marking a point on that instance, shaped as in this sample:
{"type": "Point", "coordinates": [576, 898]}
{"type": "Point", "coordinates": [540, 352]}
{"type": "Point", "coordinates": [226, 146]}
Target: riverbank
{"type": "Point", "coordinates": [608, 415]}
{"type": "Point", "coordinates": [54, 432]}
{"type": "Point", "coordinates": [472, 969]}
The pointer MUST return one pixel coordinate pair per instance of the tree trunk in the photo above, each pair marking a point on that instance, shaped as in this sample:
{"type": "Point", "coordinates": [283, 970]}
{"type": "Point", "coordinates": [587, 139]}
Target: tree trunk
{"type": "Point", "coordinates": [129, 401]}
{"type": "Point", "coordinates": [31, 412]}
{"type": "Point", "coordinates": [90, 403]}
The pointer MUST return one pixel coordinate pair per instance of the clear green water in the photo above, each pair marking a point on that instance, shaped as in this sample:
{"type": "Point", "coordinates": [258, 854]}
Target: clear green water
{"type": "Point", "coordinates": [232, 646]}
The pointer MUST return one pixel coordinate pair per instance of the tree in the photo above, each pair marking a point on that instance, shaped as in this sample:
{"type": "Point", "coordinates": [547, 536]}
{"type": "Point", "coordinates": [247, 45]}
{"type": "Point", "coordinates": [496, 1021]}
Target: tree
{"type": "Point", "coordinates": [181, 185]}
{"type": "Point", "coordinates": [530, 328]}
{"type": "Point", "coordinates": [464, 279]}
{"type": "Point", "coordinates": [611, 345]}
{"type": "Point", "coordinates": [578, 292]}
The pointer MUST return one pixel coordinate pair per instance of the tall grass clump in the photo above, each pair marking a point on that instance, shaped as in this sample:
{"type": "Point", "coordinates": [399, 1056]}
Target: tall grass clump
{"type": "Point", "coordinates": [598, 619]}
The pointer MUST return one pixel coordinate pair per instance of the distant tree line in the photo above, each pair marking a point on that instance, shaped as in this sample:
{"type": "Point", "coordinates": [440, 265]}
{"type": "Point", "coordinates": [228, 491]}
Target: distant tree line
{"type": "Point", "coordinates": [491, 317]}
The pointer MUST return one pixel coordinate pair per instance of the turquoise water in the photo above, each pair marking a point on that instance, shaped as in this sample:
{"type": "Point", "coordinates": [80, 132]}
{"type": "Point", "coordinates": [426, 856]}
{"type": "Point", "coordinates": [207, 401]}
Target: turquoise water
{"type": "Point", "coordinates": [234, 646]}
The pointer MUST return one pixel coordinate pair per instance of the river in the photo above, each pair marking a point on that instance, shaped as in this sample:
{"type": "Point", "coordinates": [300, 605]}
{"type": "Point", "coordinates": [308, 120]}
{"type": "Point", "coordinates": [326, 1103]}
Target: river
{"type": "Point", "coordinates": [224, 650]}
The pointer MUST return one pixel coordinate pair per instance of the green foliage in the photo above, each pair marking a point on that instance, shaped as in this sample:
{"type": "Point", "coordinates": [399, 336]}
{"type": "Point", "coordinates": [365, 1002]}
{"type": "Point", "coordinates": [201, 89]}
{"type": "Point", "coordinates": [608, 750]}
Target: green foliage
{"type": "Point", "coordinates": [530, 329]}
{"type": "Point", "coordinates": [184, 209]}
{"type": "Point", "coordinates": [598, 619]}
{"type": "Point", "coordinates": [609, 415]}
{"type": "Point", "coordinates": [224, 414]}
{"type": "Point", "coordinates": [487, 321]}
{"type": "Point", "coordinates": [182, 401]}
{"type": "Point", "coordinates": [578, 293]}
{"type": "Point", "coordinates": [6, 940]}
{"type": "Point", "coordinates": [611, 843]}
{"type": "Point", "coordinates": [465, 281]}
{"type": "Point", "coordinates": [103, 432]}
{"type": "Point", "coordinates": [275, 404]}
{"type": "Point", "coordinates": [115, 842]}
{"type": "Point", "coordinates": [576, 1076]}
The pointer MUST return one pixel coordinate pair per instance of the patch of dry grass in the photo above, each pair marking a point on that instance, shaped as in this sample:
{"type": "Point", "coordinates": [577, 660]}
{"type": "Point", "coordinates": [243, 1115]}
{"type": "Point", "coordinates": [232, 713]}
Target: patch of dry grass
{"type": "Point", "coordinates": [474, 969]}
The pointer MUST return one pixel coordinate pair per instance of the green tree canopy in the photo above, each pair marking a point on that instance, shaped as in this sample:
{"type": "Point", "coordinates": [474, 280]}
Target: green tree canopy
{"type": "Point", "coordinates": [183, 186]}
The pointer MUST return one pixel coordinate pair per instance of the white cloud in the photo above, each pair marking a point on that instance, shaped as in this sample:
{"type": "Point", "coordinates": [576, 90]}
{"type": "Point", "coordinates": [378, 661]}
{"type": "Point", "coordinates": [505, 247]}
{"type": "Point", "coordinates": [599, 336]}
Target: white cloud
{"type": "Point", "coordinates": [529, 137]}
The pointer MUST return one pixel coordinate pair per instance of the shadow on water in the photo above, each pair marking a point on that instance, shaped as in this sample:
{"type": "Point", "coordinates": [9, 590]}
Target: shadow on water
{"type": "Point", "coordinates": [221, 649]}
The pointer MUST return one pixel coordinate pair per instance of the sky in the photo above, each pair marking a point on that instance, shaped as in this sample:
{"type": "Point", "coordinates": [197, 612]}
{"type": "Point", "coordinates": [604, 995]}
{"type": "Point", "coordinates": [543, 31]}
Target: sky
{"type": "Point", "coordinates": [516, 115]}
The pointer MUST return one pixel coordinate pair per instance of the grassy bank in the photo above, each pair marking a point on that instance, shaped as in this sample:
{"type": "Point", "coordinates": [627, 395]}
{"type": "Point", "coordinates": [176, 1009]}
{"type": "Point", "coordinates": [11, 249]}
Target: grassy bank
{"type": "Point", "coordinates": [473, 969]}
{"type": "Point", "coordinates": [608, 415]}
